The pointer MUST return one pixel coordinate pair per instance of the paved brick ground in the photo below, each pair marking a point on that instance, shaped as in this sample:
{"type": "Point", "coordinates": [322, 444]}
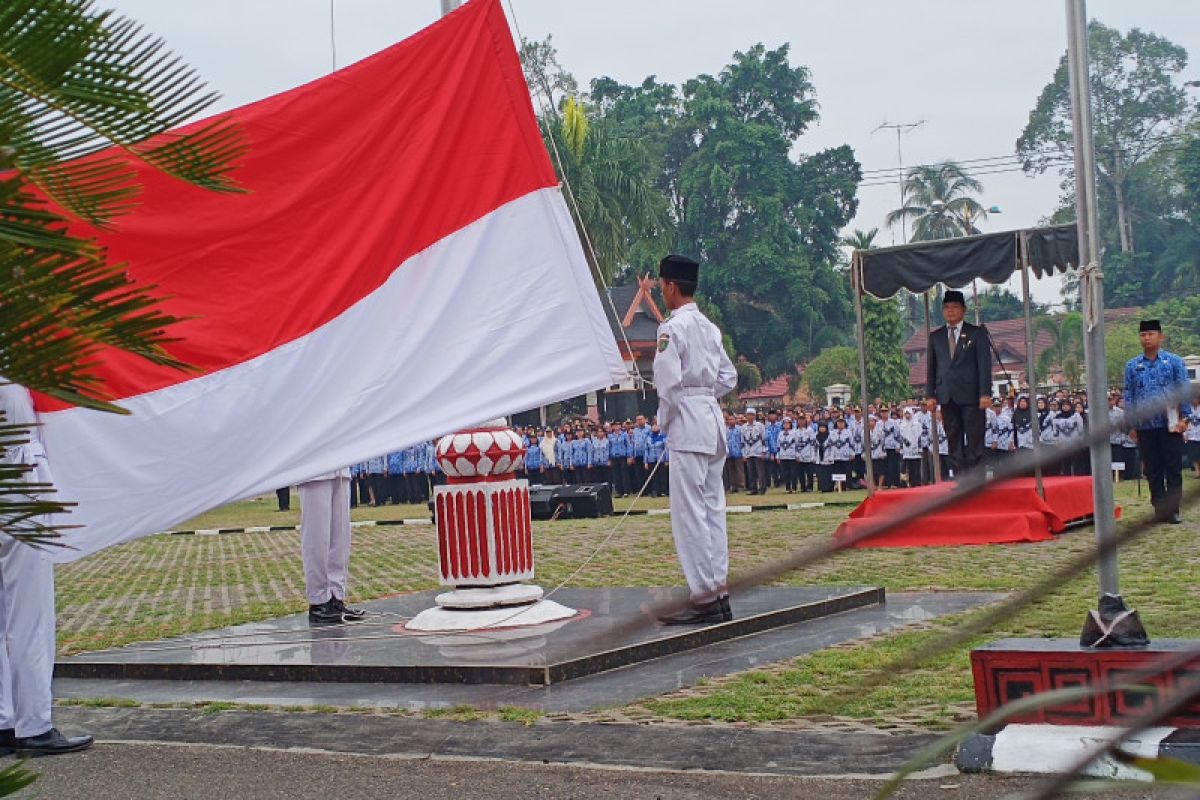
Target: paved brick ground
{"type": "Point", "coordinates": [174, 584]}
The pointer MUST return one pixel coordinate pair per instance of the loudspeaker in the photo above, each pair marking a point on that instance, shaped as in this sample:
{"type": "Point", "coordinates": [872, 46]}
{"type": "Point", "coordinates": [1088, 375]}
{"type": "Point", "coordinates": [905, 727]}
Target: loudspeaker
{"type": "Point", "coordinates": [580, 500]}
{"type": "Point", "coordinates": [541, 500]}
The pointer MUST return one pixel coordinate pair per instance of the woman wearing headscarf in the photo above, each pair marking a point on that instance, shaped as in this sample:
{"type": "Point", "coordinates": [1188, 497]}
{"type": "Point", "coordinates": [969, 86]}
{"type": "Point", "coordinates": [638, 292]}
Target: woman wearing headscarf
{"type": "Point", "coordinates": [1067, 427]}
{"type": "Point", "coordinates": [878, 454]}
{"type": "Point", "coordinates": [841, 438]}
{"type": "Point", "coordinates": [910, 447]}
{"type": "Point", "coordinates": [1082, 464]}
{"type": "Point", "coordinates": [806, 453]}
{"type": "Point", "coordinates": [789, 451]}
{"type": "Point", "coordinates": [824, 459]}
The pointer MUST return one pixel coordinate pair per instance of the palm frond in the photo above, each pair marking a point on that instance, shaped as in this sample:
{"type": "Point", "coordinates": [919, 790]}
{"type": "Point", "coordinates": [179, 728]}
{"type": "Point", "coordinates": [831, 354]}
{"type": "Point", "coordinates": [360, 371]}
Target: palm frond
{"type": "Point", "coordinates": [25, 505]}
{"type": "Point", "coordinates": [85, 93]}
{"type": "Point", "coordinates": [15, 777]}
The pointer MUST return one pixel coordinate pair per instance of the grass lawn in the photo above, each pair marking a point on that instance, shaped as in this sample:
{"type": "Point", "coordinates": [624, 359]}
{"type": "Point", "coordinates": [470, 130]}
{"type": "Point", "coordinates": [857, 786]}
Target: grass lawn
{"type": "Point", "coordinates": [168, 585]}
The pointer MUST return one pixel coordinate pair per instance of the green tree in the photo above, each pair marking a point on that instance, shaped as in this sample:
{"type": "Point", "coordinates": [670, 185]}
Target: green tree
{"type": "Point", "coordinates": [1066, 349]}
{"type": "Point", "coordinates": [883, 326]}
{"type": "Point", "coordinates": [938, 200]}
{"type": "Point", "coordinates": [764, 221]}
{"type": "Point", "coordinates": [1121, 343]}
{"type": "Point", "coordinates": [608, 178]}
{"type": "Point", "coordinates": [550, 83]}
{"type": "Point", "coordinates": [85, 96]}
{"type": "Point", "coordinates": [835, 365]}
{"type": "Point", "coordinates": [1137, 107]}
{"type": "Point", "coordinates": [887, 370]}
{"type": "Point", "coordinates": [1180, 317]}
{"type": "Point", "coordinates": [997, 303]}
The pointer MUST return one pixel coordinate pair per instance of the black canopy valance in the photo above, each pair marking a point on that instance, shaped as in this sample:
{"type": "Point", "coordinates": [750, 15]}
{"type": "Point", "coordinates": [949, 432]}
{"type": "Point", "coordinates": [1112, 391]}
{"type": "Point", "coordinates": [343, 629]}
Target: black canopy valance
{"type": "Point", "coordinates": [990, 257]}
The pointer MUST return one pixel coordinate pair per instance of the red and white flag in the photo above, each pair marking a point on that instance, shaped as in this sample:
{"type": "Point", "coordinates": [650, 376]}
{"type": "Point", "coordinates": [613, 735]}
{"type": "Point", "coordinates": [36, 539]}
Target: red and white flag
{"type": "Point", "coordinates": [403, 265]}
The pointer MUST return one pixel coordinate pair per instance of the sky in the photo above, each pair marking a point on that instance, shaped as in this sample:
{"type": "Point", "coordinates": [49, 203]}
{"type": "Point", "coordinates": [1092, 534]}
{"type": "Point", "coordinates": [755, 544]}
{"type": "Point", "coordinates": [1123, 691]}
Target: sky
{"type": "Point", "coordinates": [968, 71]}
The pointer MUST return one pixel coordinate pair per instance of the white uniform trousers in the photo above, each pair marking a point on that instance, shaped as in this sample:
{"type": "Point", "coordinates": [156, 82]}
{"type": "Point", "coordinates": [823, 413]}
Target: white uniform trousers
{"type": "Point", "coordinates": [325, 537]}
{"type": "Point", "coordinates": [27, 627]}
{"type": "Point", "coordinates": [698, 521]}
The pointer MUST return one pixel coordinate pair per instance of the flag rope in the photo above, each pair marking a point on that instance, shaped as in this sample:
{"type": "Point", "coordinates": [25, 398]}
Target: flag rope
{"type": "Point", "coordinates": [546, 104]}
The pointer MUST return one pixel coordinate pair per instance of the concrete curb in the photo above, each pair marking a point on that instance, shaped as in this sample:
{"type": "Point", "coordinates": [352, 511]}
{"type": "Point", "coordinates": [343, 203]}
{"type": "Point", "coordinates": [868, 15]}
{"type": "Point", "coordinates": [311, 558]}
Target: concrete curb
{"type": "Point", "coordinates": [683, 747]}
{"type": "Point", "coordinates": [371, 523]}
{"type": "Point", "coordinates": [1052, 749]}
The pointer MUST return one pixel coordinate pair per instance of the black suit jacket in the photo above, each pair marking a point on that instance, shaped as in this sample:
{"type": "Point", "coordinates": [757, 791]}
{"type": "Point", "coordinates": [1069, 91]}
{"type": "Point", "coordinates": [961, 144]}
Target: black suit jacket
{"type": "Point", "coordinates": [961, 377]}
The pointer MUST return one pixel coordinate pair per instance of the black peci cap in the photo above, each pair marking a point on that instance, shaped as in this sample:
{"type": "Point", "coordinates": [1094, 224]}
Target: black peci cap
{"type": "Point", "coordinates": [954, 296]}
{"type": "Point", "coordinates": [1150, 325]}
{"type": "Point", "coordinates": [679, 268]}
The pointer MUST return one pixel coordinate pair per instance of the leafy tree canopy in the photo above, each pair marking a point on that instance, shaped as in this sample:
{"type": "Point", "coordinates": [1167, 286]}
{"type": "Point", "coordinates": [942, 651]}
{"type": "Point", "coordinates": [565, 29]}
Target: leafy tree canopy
{"type": "Point", "coordinates": [835, 365]}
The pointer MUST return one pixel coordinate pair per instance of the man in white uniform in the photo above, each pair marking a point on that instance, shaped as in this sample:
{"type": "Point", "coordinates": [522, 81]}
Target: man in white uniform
{"type": "Point", "coordinates": [325, 544]}
{"type": "Point", "coordinates": [27, 621]}
{"type": "Point", "coordinates": [691, 370]}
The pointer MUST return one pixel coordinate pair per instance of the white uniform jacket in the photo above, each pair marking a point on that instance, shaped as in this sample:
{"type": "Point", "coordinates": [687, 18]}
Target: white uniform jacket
{"type": "Point", "coordinates": [692, 370]}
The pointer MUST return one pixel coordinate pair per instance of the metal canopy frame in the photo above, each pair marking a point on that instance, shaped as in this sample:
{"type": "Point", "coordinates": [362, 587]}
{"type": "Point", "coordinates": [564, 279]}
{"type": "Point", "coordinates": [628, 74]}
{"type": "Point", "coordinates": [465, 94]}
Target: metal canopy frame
{"type": "Point", "coordinates": [1043, 251]}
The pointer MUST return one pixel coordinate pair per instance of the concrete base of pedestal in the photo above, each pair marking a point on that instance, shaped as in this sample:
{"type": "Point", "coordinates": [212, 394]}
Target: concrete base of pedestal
{"type": "Point", "coordinates": [455, 619]}
{"type": "Point", "coordinates": [513, 594]}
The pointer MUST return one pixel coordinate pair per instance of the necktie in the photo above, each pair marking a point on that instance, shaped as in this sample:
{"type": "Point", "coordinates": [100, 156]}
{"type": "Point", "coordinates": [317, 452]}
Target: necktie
{"type": "Point", "coordinates": [953, 339]}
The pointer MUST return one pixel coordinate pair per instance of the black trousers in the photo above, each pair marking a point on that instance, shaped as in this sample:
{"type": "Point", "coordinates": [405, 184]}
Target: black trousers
{"type": "Point", "coordinates": [791, 473]}
{"type": "Point", "coordinates": [1162, 457]}
{"type": "Point", "coordinates": [808, 474]}
{"type": "Point", "coordinates": [379, 485]}
{"type": "Point", "coordinates": [842, 467]}
{"type": "Point", "coordinates": [364, 489]}
{"type": "Point", "coordinates": [756, 474]}
{"type": "Point", "coordinates": [661, 485]}
{"type": "Point", "coordinates": [912, 468]}
{"type": "Point", "coordinates": [398, 488]}
{"type": "Point", "coordinates": [617, 466]}
{"type": "Point", "coordinates": [825, 477]}
{"type": "Point", "coordinates": [892, 462]}
{"type": "Point", "coordinates": [284, 496]}
{"type": "Point", "coordinates": [964, 431]}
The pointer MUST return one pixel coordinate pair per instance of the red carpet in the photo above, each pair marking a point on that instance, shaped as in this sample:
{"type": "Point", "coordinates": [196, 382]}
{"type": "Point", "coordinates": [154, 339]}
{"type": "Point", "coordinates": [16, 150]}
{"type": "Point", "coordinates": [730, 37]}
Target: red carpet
{"type": "Point", "coordinates": [1007, 511]}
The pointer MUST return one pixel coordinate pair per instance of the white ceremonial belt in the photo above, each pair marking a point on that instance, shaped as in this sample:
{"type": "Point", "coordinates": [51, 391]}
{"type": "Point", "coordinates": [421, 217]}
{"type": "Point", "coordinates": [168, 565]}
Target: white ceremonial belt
{"type": "Point", "coordinates": [697, 391]}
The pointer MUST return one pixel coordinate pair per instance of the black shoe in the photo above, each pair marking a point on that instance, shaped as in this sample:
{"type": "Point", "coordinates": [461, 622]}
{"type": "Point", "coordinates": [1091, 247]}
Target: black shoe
{"type": "Point", "coordinates": [1176, 519]}
{"type": "Point", "coordinates": [51, 743]}
{"type": "Point", "coordinates": [8, 741]}
{"type": "Point", "coordinates": [324, 614]}
{"type": "Point", "coordinates": [726, 609]}
{"type": "Point", "coordinates": [349, 613]}
{"type": "Point", "coordinates": [702, 613]}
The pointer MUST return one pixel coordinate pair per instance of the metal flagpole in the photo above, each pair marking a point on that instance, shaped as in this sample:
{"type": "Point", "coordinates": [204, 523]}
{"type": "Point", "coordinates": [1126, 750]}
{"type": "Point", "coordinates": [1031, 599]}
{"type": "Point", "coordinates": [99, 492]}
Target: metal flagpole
{"type": "Point", "coordinates": [934, 439]}
{"type": "Point", "coordinates": [1091, 284]}
{"type": "Point", "coordinates": [856, 280]}
{"type": "Point", "coordinates": [450, 5]}
{"type": "Point", "coordinates": [1031, 376]}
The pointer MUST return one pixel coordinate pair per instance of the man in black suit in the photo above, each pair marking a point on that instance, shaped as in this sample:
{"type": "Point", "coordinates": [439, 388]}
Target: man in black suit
{"type": "Point", "coordinates": [959, 377]}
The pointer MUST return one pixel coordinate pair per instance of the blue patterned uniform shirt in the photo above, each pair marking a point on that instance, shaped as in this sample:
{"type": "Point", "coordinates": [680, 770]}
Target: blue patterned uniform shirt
{"type": "Point", "coordinates": [1147, 380]}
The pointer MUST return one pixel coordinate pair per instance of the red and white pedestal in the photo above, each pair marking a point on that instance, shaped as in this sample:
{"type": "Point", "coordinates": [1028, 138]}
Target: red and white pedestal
{"type": "Point", "coordinates": [485, 537]}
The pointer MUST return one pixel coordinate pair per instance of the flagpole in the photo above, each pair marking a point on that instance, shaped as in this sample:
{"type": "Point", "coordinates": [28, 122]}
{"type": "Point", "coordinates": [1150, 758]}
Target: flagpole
{"type": "Point", "coordinates": [450, 5]}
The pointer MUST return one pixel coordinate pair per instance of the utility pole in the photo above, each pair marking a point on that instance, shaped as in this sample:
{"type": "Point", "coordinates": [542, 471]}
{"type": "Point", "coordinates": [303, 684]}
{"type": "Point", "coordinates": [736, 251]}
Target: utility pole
{"type": "Point", "coordinates": [900, 128]}
{"type": "Point", "coordinates": [1091, 285]}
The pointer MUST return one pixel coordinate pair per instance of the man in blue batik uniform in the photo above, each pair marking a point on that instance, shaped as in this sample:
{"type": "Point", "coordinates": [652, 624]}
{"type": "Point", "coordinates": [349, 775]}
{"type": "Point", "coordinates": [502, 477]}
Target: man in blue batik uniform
{"type": "Point", "coordinates": [1153, 375]}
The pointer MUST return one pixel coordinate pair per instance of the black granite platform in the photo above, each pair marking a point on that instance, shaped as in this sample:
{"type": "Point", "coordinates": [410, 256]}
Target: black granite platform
{"type": "Point", "coordinates": [613, 630]}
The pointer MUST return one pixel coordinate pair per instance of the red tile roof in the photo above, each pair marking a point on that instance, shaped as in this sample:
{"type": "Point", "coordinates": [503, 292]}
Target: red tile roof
{"type": "Point", "coordinates": [774, 389]}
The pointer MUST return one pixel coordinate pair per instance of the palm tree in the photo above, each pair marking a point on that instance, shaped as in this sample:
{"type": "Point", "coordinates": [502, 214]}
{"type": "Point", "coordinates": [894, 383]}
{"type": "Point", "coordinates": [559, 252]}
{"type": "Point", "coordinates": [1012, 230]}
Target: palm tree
{"type": "Point", "coordinates": [614, 197]}
{"type": "Point", "coordinates": [84, 97]}
{"type": "Point", "coordinates": [1066, 350]}
{"type": "Point", "coordinates": [860, 239]}
{"type": "Point", "coordinates": [937, 199]}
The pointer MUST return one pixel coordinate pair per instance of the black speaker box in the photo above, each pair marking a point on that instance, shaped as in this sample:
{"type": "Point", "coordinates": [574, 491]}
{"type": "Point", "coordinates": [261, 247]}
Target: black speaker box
{"type": "Point", "coordinates": [541, 500]}
{"type": "Point", "coordinates": [580, 500]}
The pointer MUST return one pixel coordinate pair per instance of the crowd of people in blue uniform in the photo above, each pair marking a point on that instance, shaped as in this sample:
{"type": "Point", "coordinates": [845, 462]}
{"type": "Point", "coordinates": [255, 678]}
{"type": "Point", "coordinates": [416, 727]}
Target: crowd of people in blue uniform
{"type": "Point", "coordinates": [793, 448]}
